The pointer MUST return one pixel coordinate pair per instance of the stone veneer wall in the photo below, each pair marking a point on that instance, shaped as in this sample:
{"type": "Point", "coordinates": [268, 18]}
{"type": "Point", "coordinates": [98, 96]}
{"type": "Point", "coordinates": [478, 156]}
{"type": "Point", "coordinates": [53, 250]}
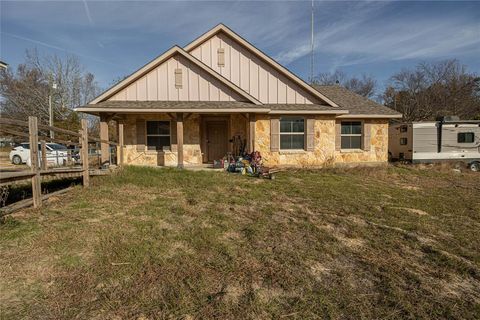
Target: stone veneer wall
{"type": "Point", "coordinates": [378, 145]}
{"type": "Point", "coordinates": [191, 141]}
{"type": "Point", "coordinates": [324, 150]}
{"type": "Point", "coordinates": [191, 144]}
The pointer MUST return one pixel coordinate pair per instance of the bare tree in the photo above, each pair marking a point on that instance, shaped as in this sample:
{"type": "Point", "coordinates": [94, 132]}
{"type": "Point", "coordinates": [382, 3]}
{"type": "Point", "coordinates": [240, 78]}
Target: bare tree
{"type": "Point", "coordinates": [26, 92]}
{"type": "Point", "coordinates": [434, 89]}
{"type": "Point", "coordinates": [364, 86]}
{"type": "Point", "coordinates": [330, 78]}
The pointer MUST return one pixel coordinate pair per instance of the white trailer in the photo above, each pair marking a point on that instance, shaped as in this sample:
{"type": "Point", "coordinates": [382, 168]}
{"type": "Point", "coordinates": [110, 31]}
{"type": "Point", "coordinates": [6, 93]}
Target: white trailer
{"type": "Point", "coordinates": [448, 139]}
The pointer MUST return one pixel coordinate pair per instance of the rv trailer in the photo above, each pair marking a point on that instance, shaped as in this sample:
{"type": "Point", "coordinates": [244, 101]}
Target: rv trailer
{"type": "Point", "coordinates": [448, 139]}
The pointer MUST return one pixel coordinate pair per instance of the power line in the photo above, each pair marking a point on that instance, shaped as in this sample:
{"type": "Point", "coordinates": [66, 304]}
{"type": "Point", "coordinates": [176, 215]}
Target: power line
{"type": "Point", "coordinates": [312, 44]}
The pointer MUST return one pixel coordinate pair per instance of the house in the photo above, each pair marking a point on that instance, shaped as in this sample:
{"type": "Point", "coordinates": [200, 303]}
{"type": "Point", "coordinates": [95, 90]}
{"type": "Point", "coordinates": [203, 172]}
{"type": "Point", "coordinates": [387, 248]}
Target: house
{"type": "Point", "coordinates": [192, 105]}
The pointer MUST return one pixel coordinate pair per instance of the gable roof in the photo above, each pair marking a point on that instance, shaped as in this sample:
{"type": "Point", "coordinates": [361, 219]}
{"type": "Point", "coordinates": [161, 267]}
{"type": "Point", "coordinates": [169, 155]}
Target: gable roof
{"type": "Point", "coordinates": [160, 59]}
{"type": "Point", "coordinates": [356, 104]}
{"type": "Point", "coordinates": [223, 28]}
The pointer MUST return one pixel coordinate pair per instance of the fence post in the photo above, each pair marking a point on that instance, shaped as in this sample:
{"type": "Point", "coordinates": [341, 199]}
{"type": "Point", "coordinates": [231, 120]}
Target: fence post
{"type": "Point", "coordinates": [44, 155]}
{"type": "Point", "coordinates": [84, 154]}
{"type": "Point", "coordinates": [33, 139]}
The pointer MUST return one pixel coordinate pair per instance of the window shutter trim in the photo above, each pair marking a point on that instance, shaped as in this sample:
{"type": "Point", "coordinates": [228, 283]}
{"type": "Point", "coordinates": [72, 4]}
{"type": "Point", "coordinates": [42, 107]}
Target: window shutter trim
{"type": "Point", "coordinates": [221, 57]}
{"type": "Point", "coordinates": [141, 133]}
{"type": "Point", "coordinates": [178, 78]}
{"type": "Point", "coordinates": [338, 135]}
{"type": "Point", "coordinates": [367, 128]}
{"type": "Point", "coordinates": [275, 134]}
{"type": "Point", "coordinates": [310, 134]}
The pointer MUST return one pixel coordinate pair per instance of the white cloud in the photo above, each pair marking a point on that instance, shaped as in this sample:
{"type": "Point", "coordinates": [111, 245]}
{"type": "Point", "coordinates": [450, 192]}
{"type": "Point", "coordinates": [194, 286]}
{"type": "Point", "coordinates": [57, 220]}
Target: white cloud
{"type": "Point", "coordinates": [364, 36]}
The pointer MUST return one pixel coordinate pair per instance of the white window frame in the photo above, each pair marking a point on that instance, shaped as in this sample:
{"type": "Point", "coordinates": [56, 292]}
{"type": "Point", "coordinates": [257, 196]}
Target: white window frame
{"type": "Point", "coordinates": [352, 135]}
{"type": "Point", "coordinates": [291, 133]}
{"type": "Point", "coordinates": [169, 135]}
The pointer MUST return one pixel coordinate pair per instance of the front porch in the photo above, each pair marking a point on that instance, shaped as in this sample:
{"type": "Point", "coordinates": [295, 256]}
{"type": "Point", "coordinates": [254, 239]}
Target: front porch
{"type": "Point", "coordinates": [179, 139]}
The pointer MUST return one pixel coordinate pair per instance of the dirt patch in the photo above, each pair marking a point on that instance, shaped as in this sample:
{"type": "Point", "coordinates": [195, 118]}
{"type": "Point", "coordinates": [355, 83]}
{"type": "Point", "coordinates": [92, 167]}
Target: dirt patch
{"type": "Point", "coordinates": [412, 210]}
{"type": "Point", "coordinates": [318, 270]}
{"type": "Point", "coordinates": [234, 292]}
{"type": "Point", "coordinates": [459, 287]}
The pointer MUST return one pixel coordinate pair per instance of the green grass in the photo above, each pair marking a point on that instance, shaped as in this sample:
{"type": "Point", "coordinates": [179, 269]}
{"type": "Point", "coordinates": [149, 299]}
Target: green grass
{"type": "Point", "coordinates": [396, 242]}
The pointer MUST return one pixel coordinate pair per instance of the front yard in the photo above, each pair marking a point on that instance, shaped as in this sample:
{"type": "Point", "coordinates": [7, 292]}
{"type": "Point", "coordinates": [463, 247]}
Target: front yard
{"type": "Point", "coordinates": [145, 243]}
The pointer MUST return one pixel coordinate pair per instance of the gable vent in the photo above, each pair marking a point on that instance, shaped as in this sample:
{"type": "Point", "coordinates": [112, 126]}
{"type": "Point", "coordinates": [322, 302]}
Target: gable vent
{"type": "Point", "coordinates": [178, 78]}
{"type": "Point", "coordinates": [221, 57]}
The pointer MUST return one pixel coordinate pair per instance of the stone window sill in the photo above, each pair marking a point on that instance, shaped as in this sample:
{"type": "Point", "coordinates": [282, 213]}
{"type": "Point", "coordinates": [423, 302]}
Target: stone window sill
{"type": "Point", "coordinates": [296, 151]}
{"type": "Point", "coordinates": [352, 150]}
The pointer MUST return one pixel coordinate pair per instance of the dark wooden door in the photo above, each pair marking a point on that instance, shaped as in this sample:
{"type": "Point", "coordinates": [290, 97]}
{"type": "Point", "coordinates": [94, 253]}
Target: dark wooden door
{"type": "Point", "coordinates": [217, 140]}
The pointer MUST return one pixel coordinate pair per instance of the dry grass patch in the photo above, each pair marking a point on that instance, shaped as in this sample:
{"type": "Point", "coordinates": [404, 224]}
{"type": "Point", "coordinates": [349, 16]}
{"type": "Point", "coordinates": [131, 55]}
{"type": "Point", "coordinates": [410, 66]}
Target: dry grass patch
{"type": "Point", "coordinates": [167, 244]}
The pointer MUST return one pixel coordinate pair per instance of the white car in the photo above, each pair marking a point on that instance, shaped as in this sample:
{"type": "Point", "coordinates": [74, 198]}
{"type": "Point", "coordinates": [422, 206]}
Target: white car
{"type": "Point", "coordinates": [57, 154]}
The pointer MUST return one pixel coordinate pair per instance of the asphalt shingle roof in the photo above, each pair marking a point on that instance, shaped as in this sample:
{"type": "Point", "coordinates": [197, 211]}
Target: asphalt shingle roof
{"type": "Point", "coordinates": [354, 103]}
{"type": "Point", "coordinates": [347, 101]}
{"type": "Point", "coordinates": [211, 105]}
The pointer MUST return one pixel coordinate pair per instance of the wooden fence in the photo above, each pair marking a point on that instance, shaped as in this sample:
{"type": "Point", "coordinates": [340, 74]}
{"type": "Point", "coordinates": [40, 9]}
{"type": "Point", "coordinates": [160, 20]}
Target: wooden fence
{"type": "Point", "coordinates": [38, 160]}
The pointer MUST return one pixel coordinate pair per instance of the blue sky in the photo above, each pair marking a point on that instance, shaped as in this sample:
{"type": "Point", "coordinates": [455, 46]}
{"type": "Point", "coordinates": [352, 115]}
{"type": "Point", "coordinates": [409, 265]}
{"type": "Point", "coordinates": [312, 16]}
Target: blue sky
{"type": "Point", "coordinates": [114, 38]}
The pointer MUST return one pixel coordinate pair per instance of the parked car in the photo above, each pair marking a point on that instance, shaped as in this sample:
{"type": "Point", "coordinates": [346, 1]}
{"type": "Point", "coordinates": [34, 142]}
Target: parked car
{"type": "Point", "coordinates": [57, 154]}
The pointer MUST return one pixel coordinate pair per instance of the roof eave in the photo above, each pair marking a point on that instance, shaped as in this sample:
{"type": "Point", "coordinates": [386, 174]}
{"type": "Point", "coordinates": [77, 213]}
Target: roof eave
{"type": "Point", "coordinates": [92, 110]}
{"type": "Point", "coordinates": [370, 116]}
{"type": "Point", "coordinates": [332, 112]}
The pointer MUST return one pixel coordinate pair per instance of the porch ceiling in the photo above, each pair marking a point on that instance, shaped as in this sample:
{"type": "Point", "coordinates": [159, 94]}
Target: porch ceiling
{"type": "Point", "coordinates": [204, 107]}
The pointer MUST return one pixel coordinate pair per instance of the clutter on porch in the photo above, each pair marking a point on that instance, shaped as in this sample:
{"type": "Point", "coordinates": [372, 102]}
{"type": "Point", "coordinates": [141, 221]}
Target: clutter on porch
{"type": "Point", "coordinates": [239, 161]}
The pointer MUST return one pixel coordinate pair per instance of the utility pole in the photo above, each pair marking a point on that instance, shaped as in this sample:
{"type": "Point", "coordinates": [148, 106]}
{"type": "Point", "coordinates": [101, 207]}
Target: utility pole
{"type": "Point", "coordinates": [50, 116]}
{"type": "Point", "coordinates": [312, 45]}
{"type": "Point", "coordinates": [50, 110]}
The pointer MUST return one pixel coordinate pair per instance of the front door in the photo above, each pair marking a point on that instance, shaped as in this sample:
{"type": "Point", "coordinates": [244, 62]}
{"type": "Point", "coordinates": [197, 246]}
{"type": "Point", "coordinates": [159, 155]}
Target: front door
{"type": "Point", "coordinates": [217, 139]}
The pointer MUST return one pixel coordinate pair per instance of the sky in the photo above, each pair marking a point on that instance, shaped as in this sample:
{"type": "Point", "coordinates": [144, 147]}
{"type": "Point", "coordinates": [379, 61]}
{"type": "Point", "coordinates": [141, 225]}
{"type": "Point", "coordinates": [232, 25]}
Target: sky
{"type": "Point", "coordinates": [114, 38]}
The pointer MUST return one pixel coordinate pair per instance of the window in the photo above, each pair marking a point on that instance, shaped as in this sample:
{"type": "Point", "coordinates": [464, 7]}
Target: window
{"type": "Point", "coordinates": [292, 133]}
{"type": "Point", "coordinates": [158, 135]}
{"type": "Point", "coordinates": [403, 141]}
{"type": "Point", "coordinates": [466, 137]}
{"type": "Point", "coordinates": [403, 128]}
{"type": "Point", "coordinates": [221, 57]}
{"type": "Point", "coordinates": [56, 146]}
{"type": "Point", "coordinates": [351, 135]}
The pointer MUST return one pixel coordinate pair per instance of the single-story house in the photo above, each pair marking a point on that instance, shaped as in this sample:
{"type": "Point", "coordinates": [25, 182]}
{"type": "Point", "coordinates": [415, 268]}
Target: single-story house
{"type": "Point", "coordinates": [195, 104]}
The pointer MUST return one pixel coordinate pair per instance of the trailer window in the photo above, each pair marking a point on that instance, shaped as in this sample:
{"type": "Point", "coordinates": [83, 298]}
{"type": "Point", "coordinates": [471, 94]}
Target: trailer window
{"type": "Point", "coordinates": [466, 137]}
{"type": "Point", "coordinates": [403, 141]}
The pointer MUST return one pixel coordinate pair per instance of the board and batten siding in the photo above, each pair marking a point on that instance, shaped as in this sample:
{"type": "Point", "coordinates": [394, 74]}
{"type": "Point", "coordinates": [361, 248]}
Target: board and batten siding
{"type": "Point", "coordinates": [159, 85]}
{"type": "Point", "coordinates": [250, 72]}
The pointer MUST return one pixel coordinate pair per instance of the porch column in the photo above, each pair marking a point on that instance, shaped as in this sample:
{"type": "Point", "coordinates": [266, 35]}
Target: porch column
{"type": "Point", "coordinates": [180, 140]}
{"type": "Point", "coordinates": [104, 147]}
{"type": "Point", "coordinates": [251, 132]}
{"type": "Point", "coordinates": [120, 143]}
